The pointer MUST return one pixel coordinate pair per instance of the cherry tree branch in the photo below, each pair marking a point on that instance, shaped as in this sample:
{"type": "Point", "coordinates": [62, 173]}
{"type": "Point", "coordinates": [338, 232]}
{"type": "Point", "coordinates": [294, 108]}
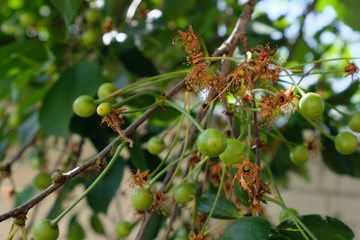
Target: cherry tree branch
{"type": "Point", "coordinates": [228, 47]}
{"type": "Point", "coordinates": [239, 32]}
{"type": "Point", "coordinates": [22, 210]}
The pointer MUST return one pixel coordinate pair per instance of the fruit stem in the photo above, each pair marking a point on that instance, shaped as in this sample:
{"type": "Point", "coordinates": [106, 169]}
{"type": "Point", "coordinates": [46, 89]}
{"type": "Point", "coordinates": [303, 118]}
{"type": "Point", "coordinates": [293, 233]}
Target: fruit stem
{"type": "Point", "coordinates": [184, 149]}
{"type": "Point", "coordinates": [132, 97]}
{"type": "Point", "coordinates": [177, 107]}
{"type": "Point", "coordinates": [12, 232]}
{"type": "Point", "coordinates": [23, 231]}
{"type": "Point", "coordinates": [296, 220]}
{"type": "Point", "coordinates": [216, 198]}
{"type": "Point", "coordinates": [192, 171]}
{"type": "Point", "coordinates": [87, 191]}
{"type": "Point", "coordinates": [347, 116]}
{"type": "Point", "coordinates": [140, 109]}
{"type": "Point", "coordinates": [281, 136]}
{"type": "Point", "coordinates": [169, 166]}
{"type": "Point", "coordinates": [170, 149]}
{"type": "Point", "coordinates": [302, 93]}
{"type": "Point", "coordinates": [217, 225]}
{"type": "Point", "coordinates": [324, 60]}
{"type": "Point", "coordinates": [262, 90]}
{"type": "Point", "coordinates": [155, 79]}
{"type": "Point", "coordinates": [329, 136]}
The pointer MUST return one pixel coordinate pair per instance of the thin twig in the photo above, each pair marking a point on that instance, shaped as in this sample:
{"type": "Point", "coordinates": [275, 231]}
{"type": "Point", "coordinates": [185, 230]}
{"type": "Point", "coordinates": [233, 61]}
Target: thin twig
{"type": "Point", "coordinates": [19, 154]}
{"type": "Point", "coordinates": [308, 72]}
{"type": "Point", "coordinates": [172, 219]}
{"type": "Point", "coordinates": [309, 8]}
{"type": "Point", "coordinates": [23, 209]}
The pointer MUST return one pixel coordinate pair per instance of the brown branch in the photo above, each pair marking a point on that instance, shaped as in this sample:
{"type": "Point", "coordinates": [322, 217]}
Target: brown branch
{"type": "Point", "coordinates": [23, 209]}
{"type": "Point", "coordinates": [227, 48]}
{"type": "Point", "coordinates": [239, 32]}
{"type": "Point", "coordinates": [309, 8]}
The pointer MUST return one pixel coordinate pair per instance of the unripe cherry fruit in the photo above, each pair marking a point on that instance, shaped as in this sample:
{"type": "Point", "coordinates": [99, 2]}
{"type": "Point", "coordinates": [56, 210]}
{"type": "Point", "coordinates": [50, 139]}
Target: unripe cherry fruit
{"type": "Point", "coordinates": [141, 199]}
{"type": "Point", "coordinates": [105, 90]}
{"type": "Point", "coordinates": [43, 230]}
{"type": "Point", "coordinates": [346, 143]}
{"type": "Point", "coordinates": [104, 109]}
{"type": "Point", "coordinates": [233, 153]}
{"type": "Point", "coordinates": [354, 122]}
{"type": "Point", "coordinates": [123, 229]}
{"type": "Point", "coordinates": [92, 15]}
{"type": "Point", "coordinates": [299, 155]}
{"type": "Point", "coordinates": [211, 142]}
{"type": "Point", "coordinates": [84, 106]}
{"type": "Point", "coordinates": [312, 105]}
{"type": "Point", "coordinates": [184, 193]}
{"type": "Point", "coordinates": [155, 145]}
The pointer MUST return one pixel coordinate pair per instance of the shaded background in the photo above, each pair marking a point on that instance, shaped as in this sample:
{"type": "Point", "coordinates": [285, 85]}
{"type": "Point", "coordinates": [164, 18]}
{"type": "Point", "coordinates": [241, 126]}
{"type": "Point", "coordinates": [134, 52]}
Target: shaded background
{"type": "Point", "coordinates": [51, 53]}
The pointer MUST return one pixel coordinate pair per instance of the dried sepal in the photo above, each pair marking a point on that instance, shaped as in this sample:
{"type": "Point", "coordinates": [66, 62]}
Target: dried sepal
{"type": "Point", "coordinates": [189, 40]}
{"type": "Point", "coordinates": [161, 203]}
{"type": "Point", "coordinates": [267, 109]}
{"type": "Point", "coordinates": [351, 69]}
{"type": "Point", "coordinates": [139, 178]}
{"type": "Point", "coordinates": [248, 175]}
{"type": "Point", "coordinates": [215, 173]}
{"type": "Point", "coordinates": [114, 121]}
{"type": "Point", "coordinates": [264, 71]}
{"type": "Point", "coordinates": [265, 54]}
{"type": "Point", "coordinates": [198, 78]}
{"type": "Point", "coordinates": [273, 105]}
{"type": "Point", "coordinates": [199, 236]}
{"type": "Point", "coordinates": [241, 76]}
{"type": "Point", "coordinates": [217, 84]}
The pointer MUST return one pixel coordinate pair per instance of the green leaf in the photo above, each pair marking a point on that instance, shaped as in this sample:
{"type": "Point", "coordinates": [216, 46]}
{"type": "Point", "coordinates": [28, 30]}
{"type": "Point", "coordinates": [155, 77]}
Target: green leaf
{"type": "Point", "coordinates": [247, 228]}
{"type": "Point", "coordinates": [135, 61]}
{"type": "Point", "coordinates": [141, 158]}
{"type": "Point", "coordinates": [99, 134]}
{"type": "Point", "coordinates": [323, 227]}
{"type": "Point", "coordinates": [26, 194]}
{"type": "Point", "coordinates": [102, 194]}
{"type": "Point", "coordinates": [76, 231]}
{"type": "Point", "coordinates": [96, 224]}
{"type": "Point", "coordinates": [163, 117]}
{"type": "Point", "coordinates": [18, 56]}
{"type": "Point", "coordinates": [68, 8]}
{"type": "Point", "coordinates": [81, 79]}
{"type": "Point", "coordinates": [345, 96]}
{"type": "Point", "coordinates": [29, 129]}
{"type": "Point", "coordinates": [224, 209]}
{"type": "Point", "coordinates": [35, 96]}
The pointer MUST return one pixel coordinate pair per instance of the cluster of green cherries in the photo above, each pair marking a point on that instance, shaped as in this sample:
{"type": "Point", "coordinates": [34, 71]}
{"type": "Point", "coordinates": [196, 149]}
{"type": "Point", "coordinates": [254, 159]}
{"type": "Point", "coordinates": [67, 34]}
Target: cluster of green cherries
{"type": "Point", "coordinates": [311, 106]}
{"type": "Point", "coordinates": [85, 105]}
{"type": "Point", "coordinates": [210, 142]}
